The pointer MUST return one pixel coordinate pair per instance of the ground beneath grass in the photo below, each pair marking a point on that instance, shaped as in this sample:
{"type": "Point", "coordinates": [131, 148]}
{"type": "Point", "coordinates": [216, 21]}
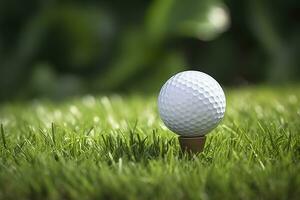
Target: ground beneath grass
{"type": "Point", "coordinates": [117, 148]}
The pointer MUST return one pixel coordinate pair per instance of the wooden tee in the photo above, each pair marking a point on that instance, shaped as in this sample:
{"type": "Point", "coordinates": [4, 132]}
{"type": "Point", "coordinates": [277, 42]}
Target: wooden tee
{"type": "Point", "coordinates": [192, 144]}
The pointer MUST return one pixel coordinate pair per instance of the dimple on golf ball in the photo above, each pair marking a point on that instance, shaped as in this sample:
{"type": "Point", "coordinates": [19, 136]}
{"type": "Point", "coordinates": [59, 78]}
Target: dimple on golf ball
{"type": "Point", "coordinates": [191, 103]}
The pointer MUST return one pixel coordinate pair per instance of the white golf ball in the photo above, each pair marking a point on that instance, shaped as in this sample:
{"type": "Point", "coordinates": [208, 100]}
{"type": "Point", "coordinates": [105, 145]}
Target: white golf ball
{"type": "Point", "coordinates": [191, 103]}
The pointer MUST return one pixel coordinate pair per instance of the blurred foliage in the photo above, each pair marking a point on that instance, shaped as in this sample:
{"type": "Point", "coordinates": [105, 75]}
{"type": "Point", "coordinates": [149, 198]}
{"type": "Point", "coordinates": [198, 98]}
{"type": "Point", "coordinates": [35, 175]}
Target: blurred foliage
{"type": "Point", "coordinates": [61, 48]}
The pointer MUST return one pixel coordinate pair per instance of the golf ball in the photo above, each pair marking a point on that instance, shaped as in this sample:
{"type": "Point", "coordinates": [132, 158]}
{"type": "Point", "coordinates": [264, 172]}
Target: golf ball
{"type": "Point", "coordinates": [191, 103]}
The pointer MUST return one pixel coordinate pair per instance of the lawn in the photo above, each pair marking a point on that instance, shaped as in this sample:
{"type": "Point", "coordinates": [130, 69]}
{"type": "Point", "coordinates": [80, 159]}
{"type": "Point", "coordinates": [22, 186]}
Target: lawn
{"type": "Point", "coordinates": [116, 147]}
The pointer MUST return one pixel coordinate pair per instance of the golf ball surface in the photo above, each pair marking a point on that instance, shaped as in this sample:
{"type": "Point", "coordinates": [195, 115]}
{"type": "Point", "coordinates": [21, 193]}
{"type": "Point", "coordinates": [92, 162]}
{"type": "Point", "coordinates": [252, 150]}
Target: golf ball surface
{"type": "Point", "coordinates": [191, 103]}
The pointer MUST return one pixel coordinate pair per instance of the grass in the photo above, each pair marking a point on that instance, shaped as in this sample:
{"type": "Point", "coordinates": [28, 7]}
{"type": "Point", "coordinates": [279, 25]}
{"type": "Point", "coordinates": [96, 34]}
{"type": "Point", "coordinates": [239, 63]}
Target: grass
{"type": "Point", "coordinates": [117, 148]}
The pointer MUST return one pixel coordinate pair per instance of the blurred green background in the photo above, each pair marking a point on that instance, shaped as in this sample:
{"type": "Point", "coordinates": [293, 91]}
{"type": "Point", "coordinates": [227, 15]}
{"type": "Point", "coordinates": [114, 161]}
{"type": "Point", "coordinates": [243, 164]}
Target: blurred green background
{"type": "Point", "coordinates": [64, 48]}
